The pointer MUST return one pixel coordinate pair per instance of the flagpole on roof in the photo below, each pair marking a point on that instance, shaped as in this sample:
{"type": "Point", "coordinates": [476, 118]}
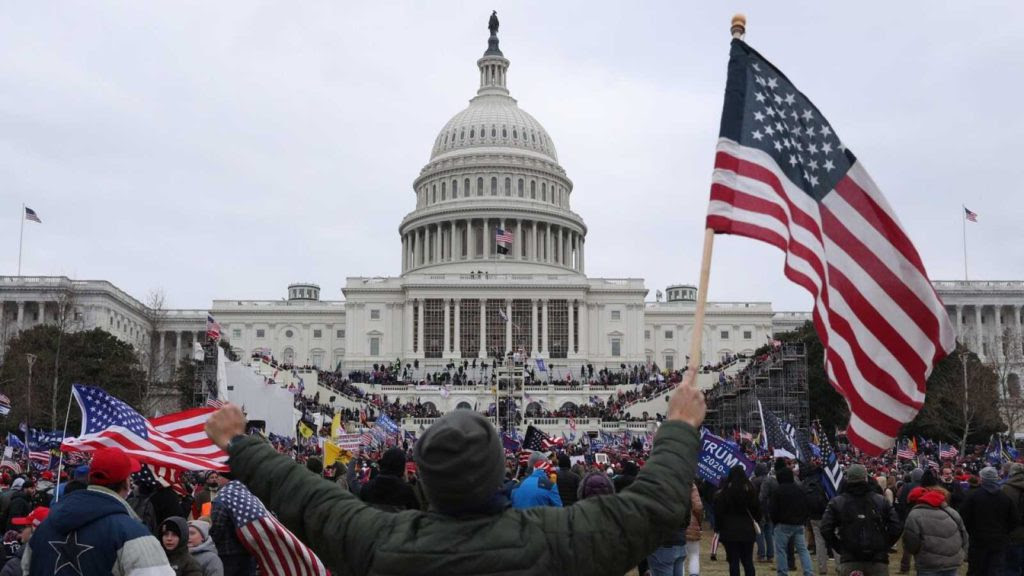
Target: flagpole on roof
{"type": "Point", "coordinates": [963, 219]}
{"type": "Point", "coordinates": [21, 237]}
{"type": "Point", "coordinates": [738, 30]}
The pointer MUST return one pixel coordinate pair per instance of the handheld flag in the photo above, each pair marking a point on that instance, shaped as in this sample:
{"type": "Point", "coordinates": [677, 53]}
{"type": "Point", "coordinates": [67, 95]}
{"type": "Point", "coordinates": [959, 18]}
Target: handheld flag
{"type": "Point", "coordinates": [782, 176]}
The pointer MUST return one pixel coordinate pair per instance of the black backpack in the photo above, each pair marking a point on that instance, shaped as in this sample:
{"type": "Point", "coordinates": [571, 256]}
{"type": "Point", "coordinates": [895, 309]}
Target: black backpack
{"type": "Point", "coordinates": [862, 533]}
{"type": "Point", "coordinates": [145, 510]}
{"type": "Point", "coordinates": [814, 494]}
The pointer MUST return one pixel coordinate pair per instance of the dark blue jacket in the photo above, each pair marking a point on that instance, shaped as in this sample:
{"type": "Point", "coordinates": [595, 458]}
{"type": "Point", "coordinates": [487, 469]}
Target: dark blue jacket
{"type": "Point", "coordinates": [93, 531]}
{"type": "Point", "coordinates": [536, 490]}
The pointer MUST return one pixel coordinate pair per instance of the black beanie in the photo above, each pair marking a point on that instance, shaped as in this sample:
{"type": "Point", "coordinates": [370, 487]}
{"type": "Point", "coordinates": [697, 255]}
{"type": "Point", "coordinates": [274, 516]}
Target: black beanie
{"type": "Point", "coordinates": [928, 479]}
{"type": "Point", "coordinates": [564, 461]}
{"type": "Point", "coordinates": [315, 465]}
{"type": "Point", "coordinates": [392, 462]}
{"type": "Point", "coordinates": [461, 462]}
{"type": "Point", "coordinates": [780, 463]}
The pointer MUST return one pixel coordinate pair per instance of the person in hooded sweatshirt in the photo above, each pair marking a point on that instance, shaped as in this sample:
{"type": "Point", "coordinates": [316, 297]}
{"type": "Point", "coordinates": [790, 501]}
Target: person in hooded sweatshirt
{"type": "Point", "coordinates": [94, 531]}
{"type": "Point", "coordinates": [789, 512]}
{"type": "Point", "coordinates": [200, 545]}
{"type": "Point", "coordinates": [568, 481]}
{"type": "Point", "coordinates": [174, 538]}
{"type": "Point", "coordinates": [388, 490]}
{"type": "Point", "coordinates": [934, 533]}
{"type": "Point", "coordinates": [990, 517]}
{"type": "Point", "coordinates": [1014, 488]}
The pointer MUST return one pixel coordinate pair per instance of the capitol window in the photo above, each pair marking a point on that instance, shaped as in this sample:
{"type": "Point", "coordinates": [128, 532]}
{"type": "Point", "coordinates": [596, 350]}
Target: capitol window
{"type": "Point", "coordinates": [236, 333]}
{"type": "Point", "coordinates": [670, 362]}
{"type": "Point", "coordinates": [504, 132]}
{"type": "Point", "coordinates": [375, 314]}
{"type": "Point", "coordinates": [520, 186]}
{"type": "Point", "coordinates": [533, 189]}
{"type": "Point", "coordinates": [479, 186]}
{"type": "Point", "coordinates": [260, 333]}
{"type": "Point", "coordinates": [455, 189]}
{"type": "Point", "coordinates": [318, 333]}
{"type": "Point", "coordinates": [669, 334]}
{"type": "Point", "coordinates": [616, 347]}
{"type": "Point", "coordinates": [748, 335]}
{"type": "Point", "coordinates": [494, 132]}
{"type": "Point", "coordinates": [494, 186]}
{"type": "Point", "coordinates": [339, 333]}
{"type": "Point", "coordinates": [647, 334]}
{"type": "Point", "coordinates": [288, 333]}
{"type": "Point", "coordinates": [472, 133]}
{"type": "Point", "coordinates": [725, 334]}
{"type": "Point", "coordinates": [374, 346]}
{"type": "Point", "coordinates": [515, 134]}
{"type": "Point", "coordinates": [444, 190]}
{"type": "Point", "coordinates": [433, 194]}
{"type": "Point", "coordinates": [544, 191]}
{"type": "Point", "coordinates": [616, 314]}
{"type": "Point", "coordinates": [508, 186]}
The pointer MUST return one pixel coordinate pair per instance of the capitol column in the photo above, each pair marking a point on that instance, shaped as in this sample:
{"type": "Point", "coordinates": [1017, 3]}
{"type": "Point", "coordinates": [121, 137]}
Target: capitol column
{"type": "Point", "coordinates": [419, 333]}
{"type": "Point", "coordinates": [519, 240]}
{"type": "Point", "coordinates": [458, 328]}
{"type": "Point", "coordinates": [998, 340]}
{"type": "Point", "coordinates": [533, 331]}
{"type": "Point", "coordinates": [21, 316]}
{"type": "Point", "coordinates": [507, 248]}
{"type": "Point", "coordinates": [533, 248]}
{"type": "Point", "coordinates": [483, 328]}
{"type": "Point", "coordinates": [572, 331]}
{"type": "Point", "coordinates": [544, 335]}
{"type": "Point", "coordinates": [549, 255]}
{"type": "Point", "coordinates": [161, 358]}
{"type": "Point", "coordinates": [437, 243]}
{"type": "Point", "coordinates": [456, 241]}
{"type": "Point", "coordinates": [508, 326]}
{"type": "Point", "coordinates": [483, 244]}
{"type": "Point", "coordinates": [977, 329]}
{"type": "Point", "coordinates": [959, 322]}
{"type": "Point", "coordinates": [407, 341]}
{"type": "Point", "coordinates": [584, 329]}
{"type": "Point", "coordinates": [583, 242]}
{"type": "Point", "coordinates": [446, 349]}
{"type": "Point", "coordinates": [177, 347]}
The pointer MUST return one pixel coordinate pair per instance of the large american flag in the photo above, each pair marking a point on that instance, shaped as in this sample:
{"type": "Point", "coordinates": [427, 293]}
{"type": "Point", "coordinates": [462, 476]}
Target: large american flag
{"type": "Point", "coordinates": [503, 236]}
{"type": "Point", "coordinates": [212, 328]}
{"type": "Point", "coordinates": [782, 176]}
{"type": "Point", "coordinates": [277, 550]}
{"type": "Point", "coordinates": [176, 440]}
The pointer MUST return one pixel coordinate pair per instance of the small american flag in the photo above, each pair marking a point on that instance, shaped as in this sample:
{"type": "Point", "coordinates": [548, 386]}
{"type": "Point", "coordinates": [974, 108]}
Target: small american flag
{"type": "Point", "coordinates": [783, 176]}
{"type": "Point", "coordinates": [971, 216]}
{"type": "Point", "coordinates": [948, 451]}
{"type": "Point", "coordinates": [212, 328]}
{"type": "Point", "coordinates": [31, 215]}
{"type": "Point", "coordinates": [213, 402]}
{"type": "Point", "coordinates": [535, 439]}
{"type": "Point", "coordinates": [904, 451]}
{"type": "Point", "coordinates": [503, 236]}
{"type": "Point", "coordinates": [176, 440]}
{"type": "Point", "coordinates": [277, 550]}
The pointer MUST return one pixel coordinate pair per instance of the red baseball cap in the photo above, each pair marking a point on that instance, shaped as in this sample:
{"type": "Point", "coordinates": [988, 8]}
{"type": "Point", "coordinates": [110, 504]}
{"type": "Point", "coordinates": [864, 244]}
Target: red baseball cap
{"type": "Point", "coordinates": [111, 465]}
{"type": "Point", "coordinates": [34, 518]}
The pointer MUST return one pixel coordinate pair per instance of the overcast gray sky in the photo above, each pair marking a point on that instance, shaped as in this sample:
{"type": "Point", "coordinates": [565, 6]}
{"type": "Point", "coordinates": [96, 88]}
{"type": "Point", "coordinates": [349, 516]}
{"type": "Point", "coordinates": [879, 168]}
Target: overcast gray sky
{"type": "Point", "coordinates": [225, 149]}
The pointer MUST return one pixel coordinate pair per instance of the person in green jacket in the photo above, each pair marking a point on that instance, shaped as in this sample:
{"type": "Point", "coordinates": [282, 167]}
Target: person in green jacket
{"type": "Point", "coordinates": [470, 529]}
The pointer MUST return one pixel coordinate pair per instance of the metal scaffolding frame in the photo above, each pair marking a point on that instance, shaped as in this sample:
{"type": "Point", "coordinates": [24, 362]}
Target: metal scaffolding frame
{"type": "Point", "coordinates": [779, 382]}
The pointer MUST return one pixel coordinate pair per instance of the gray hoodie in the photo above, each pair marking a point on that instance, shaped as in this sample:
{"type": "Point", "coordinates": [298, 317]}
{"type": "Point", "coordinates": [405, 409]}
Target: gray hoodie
{"type": "Point", "coordinates": [206, 553]}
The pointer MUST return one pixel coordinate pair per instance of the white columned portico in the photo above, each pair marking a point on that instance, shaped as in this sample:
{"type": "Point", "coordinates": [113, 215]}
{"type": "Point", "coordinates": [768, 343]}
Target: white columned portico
{"type": "Point", "coordinates": [483, 328]}
{"type": "Point", "coordinates": [446, 349]}
{"type": "Point", "coordinates": [544, 335]}
{"type": "Point", "coordinates": [572, 331]}
{"type": "Point", "coordinates": [458, 329]}
{"type": "Point", "coordinates": [419, 333]}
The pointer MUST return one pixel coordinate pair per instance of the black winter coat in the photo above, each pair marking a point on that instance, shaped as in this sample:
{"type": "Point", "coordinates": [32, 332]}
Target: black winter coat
{"type": "Point", "coordinates": [391, 493]}
{"type": "Point", "coordinates": [789, 505]}
{"type": "Point", "coordinates": [831, 522]}
{"type": "Point", "coordinates": [735, 516]}
{"type": "Point", "coordinates": [568, 485]}
{"type": "Point", "coordinates": [21, 505]}
{"type": "Point", "coordinates": [990, 516]}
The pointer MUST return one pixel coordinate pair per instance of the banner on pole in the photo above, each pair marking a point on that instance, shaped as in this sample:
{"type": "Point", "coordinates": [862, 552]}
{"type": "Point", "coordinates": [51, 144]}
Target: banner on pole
{"type": "Point", "coordinates": [717, 456]}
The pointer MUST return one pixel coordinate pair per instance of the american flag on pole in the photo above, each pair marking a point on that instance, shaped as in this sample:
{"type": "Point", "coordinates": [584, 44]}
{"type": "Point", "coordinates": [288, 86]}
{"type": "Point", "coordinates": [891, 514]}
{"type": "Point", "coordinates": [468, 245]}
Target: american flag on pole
{"type": "Point", "coordinates": [31, 215]}
{"type": "Point", "coordinates": [904, 451]}
{"type": "Point", "coordinates": [176, 440]}
{"type": "Point", "coordinates": [971, 216]}
{"type": "Point", "coordinates": [277, 550]}
{"type": "Point", "coordinates": [947, 451]}
{"type": "Point", "coordinates": [782, 176]}
{"type": "Point", "coordinates": [212, 328]}
{"type": "Point", "coordinates": [503, 236]}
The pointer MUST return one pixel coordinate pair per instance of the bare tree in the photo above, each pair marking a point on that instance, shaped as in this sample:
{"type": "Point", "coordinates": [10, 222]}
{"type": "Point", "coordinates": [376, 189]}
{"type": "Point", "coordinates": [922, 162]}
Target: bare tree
{"type": "Point", "coordinates": [67, 319]}
{"type": "Point", "coordinates": [1006, 358]}
{"type": "Point", "coordinates": [156, 362]}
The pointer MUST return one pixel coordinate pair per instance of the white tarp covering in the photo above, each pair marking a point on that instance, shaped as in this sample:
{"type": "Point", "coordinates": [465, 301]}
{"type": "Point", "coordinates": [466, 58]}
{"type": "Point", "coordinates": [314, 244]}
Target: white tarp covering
{"type": "Point", "coordinates": [260, 401]}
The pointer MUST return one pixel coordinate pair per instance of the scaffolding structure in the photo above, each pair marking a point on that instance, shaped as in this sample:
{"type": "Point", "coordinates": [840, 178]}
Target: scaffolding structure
{"type": "Point", "coordinates": [778, 381]}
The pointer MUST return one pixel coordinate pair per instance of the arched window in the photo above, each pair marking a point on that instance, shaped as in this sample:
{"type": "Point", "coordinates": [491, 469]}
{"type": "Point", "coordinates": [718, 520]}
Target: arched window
{"type": "Point", "coordinates": [520, 187]}
{"type": "Point", "coordinates": [504, 132]}
{"type": "Point", "coordinates": [533, 189]}
{"type": "Point", "coordinates": [544, 191]}
{"type": "Point", "coordinates": [494, 186]}
{"type": "Point", "coordinates": [445, 139]}
{"type": "Point", "coordinates": [455, 189]}
{"type": "Point", "coordinates": [444, 190]}
{"type": "Point", "coordinates": [465, 187]}
{"type": "Point", "coordinates": [494, 132]}
{"type": "Point", "coordinates": [433, 194]}
{"type": "Point", "coordinates": [472, 133]}
{"type": "Point", "coordinates": [462, 135]}
{"type": "Point", "coordinates": [533, 137]}
{"type": "Point", "coordinates": [515, 134]}
{"type": "Point", "coordinates": [479, 186]}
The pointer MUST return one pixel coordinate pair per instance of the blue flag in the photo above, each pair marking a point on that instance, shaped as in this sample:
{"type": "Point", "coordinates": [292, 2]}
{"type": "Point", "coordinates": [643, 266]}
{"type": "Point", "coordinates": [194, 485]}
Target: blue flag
{"type": "Point", "coordinates": [717, 457]}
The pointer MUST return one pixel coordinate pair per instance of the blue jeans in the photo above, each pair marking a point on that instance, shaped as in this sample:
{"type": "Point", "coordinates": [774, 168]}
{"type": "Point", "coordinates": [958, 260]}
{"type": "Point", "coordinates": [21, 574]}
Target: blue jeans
{"type": "Point", "coordinates": [765, 542]}
{"type": "Point", "coordinates": [667, 561]}
{"type": "Point", "coordinates": [783, 534]}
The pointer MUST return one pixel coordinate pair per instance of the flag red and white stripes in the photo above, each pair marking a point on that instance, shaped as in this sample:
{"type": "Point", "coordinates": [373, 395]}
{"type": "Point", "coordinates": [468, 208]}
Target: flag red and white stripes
{"type": "Point", "coordinates": [881, 323]}
{"type": "Point", "coordinates": [969, 215]}
{"type": "Point", "coordinates": [176, 440]}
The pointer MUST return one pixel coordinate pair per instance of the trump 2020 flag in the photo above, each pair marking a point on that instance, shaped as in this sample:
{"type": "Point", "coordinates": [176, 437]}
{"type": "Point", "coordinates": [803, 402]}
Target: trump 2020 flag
{"type": "Point", "coordinates": [782, 176]}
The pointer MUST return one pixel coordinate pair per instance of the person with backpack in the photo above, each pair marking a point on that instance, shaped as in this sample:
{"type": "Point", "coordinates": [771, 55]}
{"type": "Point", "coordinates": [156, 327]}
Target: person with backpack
{"type": "Point", "coordinates": [913, 480]}
{"type": "Point", "coordinates": [990, 517]}
{"type": "Point", "coordinates": [1014, 488]}
{"type": "Point", "coordinates": [142, 505]}
{"type": "Point", "coordinates": [817, 501]}
{"type": "Point", "coordinates": [861, 526]}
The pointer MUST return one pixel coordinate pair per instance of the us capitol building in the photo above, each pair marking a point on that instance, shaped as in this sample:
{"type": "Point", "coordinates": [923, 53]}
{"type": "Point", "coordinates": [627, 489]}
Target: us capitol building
{"type": "Point", "coordinates": [493, 172]}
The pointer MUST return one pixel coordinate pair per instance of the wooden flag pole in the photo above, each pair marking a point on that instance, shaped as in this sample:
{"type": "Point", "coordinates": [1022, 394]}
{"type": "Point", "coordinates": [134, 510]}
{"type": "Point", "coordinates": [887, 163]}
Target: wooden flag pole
{"type": "Point", "coordinates": [738, 29]}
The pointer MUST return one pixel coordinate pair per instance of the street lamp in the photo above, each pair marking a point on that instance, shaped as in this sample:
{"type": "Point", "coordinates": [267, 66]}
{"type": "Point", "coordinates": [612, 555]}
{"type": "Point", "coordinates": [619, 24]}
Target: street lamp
{"type": "Point", "coordinates": [31, 359]}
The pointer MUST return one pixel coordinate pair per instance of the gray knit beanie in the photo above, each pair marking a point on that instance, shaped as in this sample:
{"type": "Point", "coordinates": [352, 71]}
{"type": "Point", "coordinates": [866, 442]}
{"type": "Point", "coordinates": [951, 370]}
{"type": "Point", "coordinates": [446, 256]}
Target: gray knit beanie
{"type": "Point", "coordinates": [461, 462]}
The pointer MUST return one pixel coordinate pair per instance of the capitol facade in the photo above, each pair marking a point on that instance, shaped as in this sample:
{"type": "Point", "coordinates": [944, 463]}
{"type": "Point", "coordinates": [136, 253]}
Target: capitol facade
{"type": "Point", "coordinates": [493, 261]}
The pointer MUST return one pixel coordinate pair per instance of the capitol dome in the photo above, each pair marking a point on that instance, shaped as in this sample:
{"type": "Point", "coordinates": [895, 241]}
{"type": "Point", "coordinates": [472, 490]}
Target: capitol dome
{"type": "Point", "coordinates": [493, 191]}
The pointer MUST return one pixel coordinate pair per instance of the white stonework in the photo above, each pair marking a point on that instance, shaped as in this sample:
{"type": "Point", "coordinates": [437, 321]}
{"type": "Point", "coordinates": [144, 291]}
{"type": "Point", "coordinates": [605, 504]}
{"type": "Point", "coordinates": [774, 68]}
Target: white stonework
{"type": "Point", "coordinates": [492, 167]}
